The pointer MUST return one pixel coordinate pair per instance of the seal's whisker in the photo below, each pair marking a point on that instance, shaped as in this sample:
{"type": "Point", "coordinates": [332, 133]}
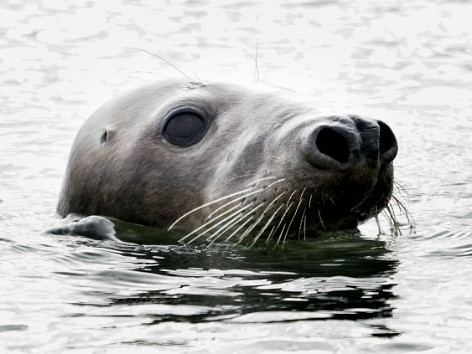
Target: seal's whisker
{"type": "Point", "coordinates": [244, 196]}
{"type": "Point", "coordinates": [302, 219]}
{"type": "Point", "coordinates": [332, 201]}
{"type": "Point", "coordinates": [208, 204]}
{"type": "Point", "coordinates": [283, 217]}
{"type": "Point", "coordinates": [232, 215]}
{"type": "Point", "coordinates": [321, 219]}
{"type": "Point", "coordinates": [212, 220]}
{"type": "Point", "coordinates": [165, 61]}
{"type": "Point", "coordinates": [304, 228]}
{"type": "Point", "coordinates": [399, 187]}
{"type": "Point", "coordinates": [295, 213]}
{"type": "Point", "coordinates": [231, 202]}
{"type": "Point", "coordinates": [229, 225]}
{"type": "Point", "coordinates": [259, 219]}
{"type": "Point", "coordinates": [239, 210]}
{"type": "Point", "coordinates": [237, 230]}
{"type": "Point", "coordinates": [253, 183]}
{"type": "Point", "coordinates": [278, 181]}
{"type": "Point", "coordinates": [379, 227]}
{"type": "Point", "coordinates": [377, 221]}
{"type": "Point", "coordinates": [286, 233]}
{"type": "Point", "coordinates": [271, 233]}
{"type": "Point", "coordinates": [267, 224]}
{"type": "Point", "coordinates": [309, 201]}
{"type": "Point", "coordinates": [404, 210]}
{"type": "Point", "coordinates": [278, 240]}
{"type": "Point", "coordinates": [250, 215]}
{"type": "Point", "coordinates": [288, 206]}
{"type": "Point", "coordinates": [393, 221]}
{"type": "Point", "coordinates": [242, 176]}
{"type": "Point", "coordinates": [249, 229]}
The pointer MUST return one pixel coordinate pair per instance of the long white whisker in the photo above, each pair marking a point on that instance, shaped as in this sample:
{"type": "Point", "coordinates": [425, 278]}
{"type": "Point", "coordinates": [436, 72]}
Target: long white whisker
{"type": "Point", "coordinates": [394, 224]}
{"type": "Point", "coordinates": [272, 231]}
{"type": "Point", "coordinates": [283, 217]}
{"type": "Point", "coordinates": [210, 203]}
{"type": "Point", "coordinates": [228, 226]}
{"type": "Point", "coordinates": [242, 197]}
{"type": "Point", "coordinates": [260, 218]}
{"type": "Point", "coordinates": [249, 215]}
{"type": "Point", "coordinates": [303, 218]}
{"type": "Point", "coordinates": [249, 175]}
{"type": "Point", "coordinates": [295, 213]}
{"type": "Point", "coordinates": [231, 202]}
{"type": "Point", "coordinates": [403, 209]}
{"type": "Point", "coordinates": [221, 215]}
{"type": "Point", "coordinates": [278, 240]}
{"type": "Point", "coordinates": [212, 227]}
{"type": "Point", "coordinates": [262, 179]}
{"type": "Point", "coordinates": [286, 209]}
{"type": "Point", "coordinates": [304, 228]}
{"type": "Point", "coordinates": [237, 230]}
{"type": "Point", "coordinates": [278, 181]}
{"type": "Point", "coordinates": [259, 234]}
{"type": "Point", "coordinates": [164, 60]}
{"type": "Point", "coordinates": [249, 229]}
{"type": "Point", "coordinates": [379, 226]}
{"type": "Point", "coordinates": [321, 220]}
{"type": "Point", "coordinates": [242, 176]}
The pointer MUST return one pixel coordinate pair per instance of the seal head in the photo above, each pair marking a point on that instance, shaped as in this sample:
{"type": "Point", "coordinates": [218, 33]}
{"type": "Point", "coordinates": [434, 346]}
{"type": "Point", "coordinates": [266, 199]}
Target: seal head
{"type": "Point", "coordinates": [228, 160]}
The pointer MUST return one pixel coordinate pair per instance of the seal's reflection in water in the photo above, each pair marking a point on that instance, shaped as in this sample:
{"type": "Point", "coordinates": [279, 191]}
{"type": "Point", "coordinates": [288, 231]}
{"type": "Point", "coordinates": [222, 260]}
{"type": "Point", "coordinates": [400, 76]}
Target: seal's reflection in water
{"type": "Point", "coordinates": [342, 277]}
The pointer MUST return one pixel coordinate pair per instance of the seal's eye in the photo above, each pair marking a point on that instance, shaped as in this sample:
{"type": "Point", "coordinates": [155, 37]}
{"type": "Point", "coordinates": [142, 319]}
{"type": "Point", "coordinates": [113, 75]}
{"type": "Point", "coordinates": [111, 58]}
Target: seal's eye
{"type": "Point", "coordinates": [185, 128]}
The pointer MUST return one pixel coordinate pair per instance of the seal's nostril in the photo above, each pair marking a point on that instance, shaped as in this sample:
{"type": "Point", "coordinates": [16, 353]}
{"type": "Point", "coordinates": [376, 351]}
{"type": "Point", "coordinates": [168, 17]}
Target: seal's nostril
{"type": "Point", "coordinates": [333, 144]}
{"type": "Point", "coordinates": [104, 138]}
{"type": "Point", "coordinates": [387, 143]}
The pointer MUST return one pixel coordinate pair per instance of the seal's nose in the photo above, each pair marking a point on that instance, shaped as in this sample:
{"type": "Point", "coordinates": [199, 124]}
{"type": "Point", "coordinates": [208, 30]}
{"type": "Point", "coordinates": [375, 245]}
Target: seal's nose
{"type": "Point", "coordinates": [343, 143]}
{"type": "Point", "coordinates": [388, 146]}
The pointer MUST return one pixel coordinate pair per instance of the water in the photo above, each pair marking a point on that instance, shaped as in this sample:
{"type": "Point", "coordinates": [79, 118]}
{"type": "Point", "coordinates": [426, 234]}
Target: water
{"type": "Point", "coordinates": [405, 62]}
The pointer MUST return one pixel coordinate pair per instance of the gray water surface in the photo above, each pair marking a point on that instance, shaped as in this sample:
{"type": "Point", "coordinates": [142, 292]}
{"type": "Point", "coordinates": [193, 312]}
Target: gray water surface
{"type": "Point", "coordinates": [408, 63]}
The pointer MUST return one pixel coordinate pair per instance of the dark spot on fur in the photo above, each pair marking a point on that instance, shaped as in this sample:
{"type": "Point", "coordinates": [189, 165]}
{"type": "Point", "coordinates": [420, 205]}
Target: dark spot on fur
{"type": "Point", "coordinates": [104, 138]}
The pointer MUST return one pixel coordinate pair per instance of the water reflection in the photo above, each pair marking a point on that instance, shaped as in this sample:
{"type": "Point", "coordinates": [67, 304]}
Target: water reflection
{"type": "Point", "coordinates": [345, 278]}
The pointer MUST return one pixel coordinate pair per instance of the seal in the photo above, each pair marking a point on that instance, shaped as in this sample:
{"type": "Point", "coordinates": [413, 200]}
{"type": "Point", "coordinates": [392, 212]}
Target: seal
{"type": "Point", "coordinates": [227, 162]}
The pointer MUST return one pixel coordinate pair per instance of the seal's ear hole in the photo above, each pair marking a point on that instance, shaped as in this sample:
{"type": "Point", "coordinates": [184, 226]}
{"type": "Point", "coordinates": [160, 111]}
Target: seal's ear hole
{"type": "Point", "coordinates": [104, 137]}
{"type": "Point", "coordinates": [185, 128]}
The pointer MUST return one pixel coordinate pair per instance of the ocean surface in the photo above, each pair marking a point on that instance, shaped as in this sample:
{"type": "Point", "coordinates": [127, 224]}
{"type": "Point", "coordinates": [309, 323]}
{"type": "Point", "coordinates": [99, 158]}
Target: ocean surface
{"type": "Point", "coordinates": [408, 63]}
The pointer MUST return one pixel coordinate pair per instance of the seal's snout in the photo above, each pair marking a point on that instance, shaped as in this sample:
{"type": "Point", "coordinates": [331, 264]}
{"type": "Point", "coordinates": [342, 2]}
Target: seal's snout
{"type": "Point", "coordinates": [343, 143]}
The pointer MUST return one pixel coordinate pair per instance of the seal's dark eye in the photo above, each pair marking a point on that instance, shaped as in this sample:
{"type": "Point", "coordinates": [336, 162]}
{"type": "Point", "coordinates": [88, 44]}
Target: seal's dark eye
{"type": "Point", "coordinates": [185, 128]}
